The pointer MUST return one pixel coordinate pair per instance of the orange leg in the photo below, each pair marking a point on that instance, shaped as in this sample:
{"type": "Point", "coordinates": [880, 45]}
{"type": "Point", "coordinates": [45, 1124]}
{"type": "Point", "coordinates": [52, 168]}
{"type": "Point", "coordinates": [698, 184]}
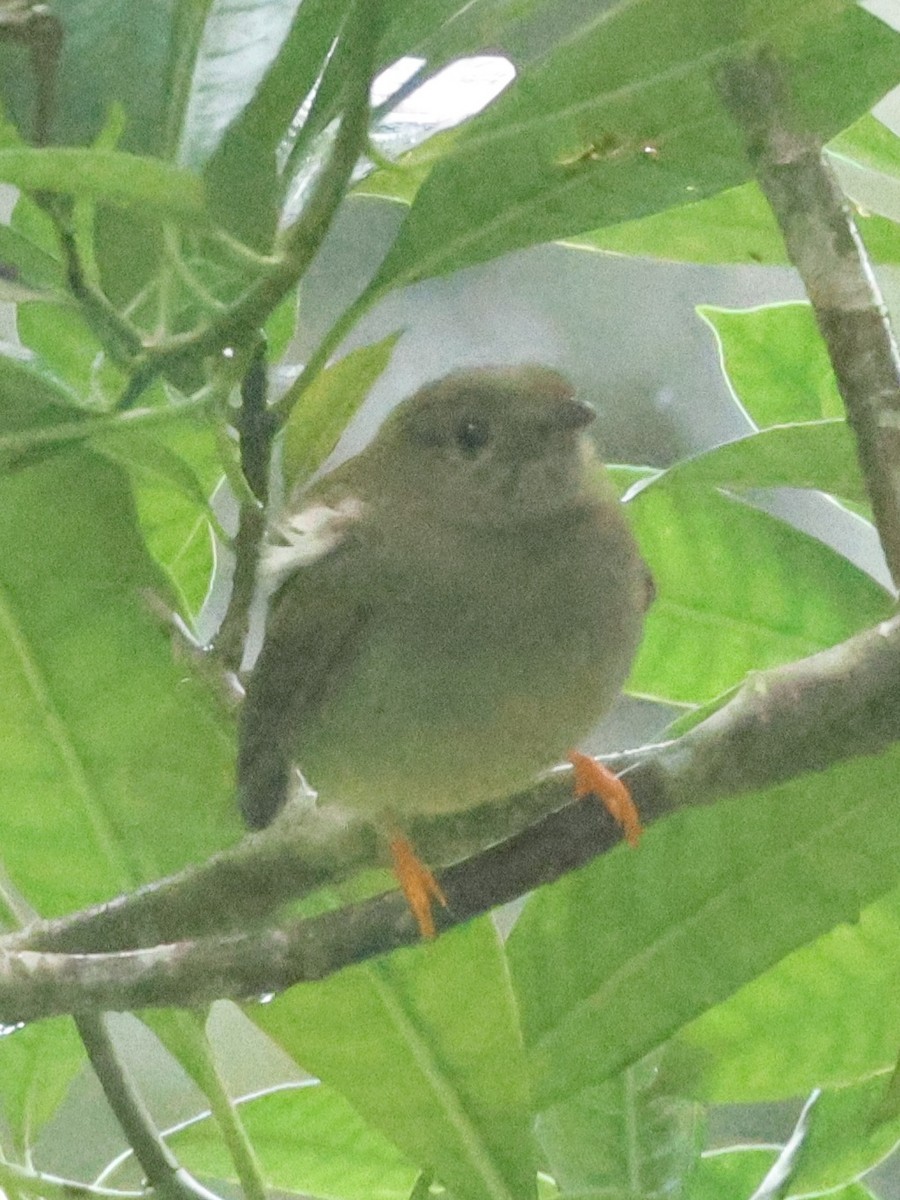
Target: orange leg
{"type": "Point", "coordinates": [593, 779]}
{"type": "Point", "coordinates": [418, 884]}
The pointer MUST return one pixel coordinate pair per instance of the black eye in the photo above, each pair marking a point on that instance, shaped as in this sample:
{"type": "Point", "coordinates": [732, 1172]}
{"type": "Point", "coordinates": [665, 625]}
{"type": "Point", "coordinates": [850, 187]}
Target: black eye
{"type": "Point", "coordinates": [472, 435]}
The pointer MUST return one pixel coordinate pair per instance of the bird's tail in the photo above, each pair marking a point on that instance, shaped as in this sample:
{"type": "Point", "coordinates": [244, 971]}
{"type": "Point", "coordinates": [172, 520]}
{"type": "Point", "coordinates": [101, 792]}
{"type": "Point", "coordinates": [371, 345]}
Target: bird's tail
{"type": "Point", "coordinates": [263, 780]}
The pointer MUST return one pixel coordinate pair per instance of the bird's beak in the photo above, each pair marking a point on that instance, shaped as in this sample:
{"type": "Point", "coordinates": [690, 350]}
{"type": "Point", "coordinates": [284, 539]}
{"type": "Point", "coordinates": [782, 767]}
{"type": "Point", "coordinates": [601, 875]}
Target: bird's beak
{"type": "Point", "coordinates": [574, 414]}
{"type": "Point", "coordinates": [568, 414]}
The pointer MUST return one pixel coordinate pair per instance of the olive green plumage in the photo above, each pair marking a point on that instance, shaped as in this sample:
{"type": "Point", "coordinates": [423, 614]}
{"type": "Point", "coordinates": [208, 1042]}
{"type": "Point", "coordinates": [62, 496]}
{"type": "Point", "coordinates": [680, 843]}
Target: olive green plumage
{"type": "Point", "coordinates": [460, 604]}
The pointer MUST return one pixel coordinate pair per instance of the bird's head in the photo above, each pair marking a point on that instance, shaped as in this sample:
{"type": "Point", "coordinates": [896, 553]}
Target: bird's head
{"type": "Point", "coordinates": [490, 445]}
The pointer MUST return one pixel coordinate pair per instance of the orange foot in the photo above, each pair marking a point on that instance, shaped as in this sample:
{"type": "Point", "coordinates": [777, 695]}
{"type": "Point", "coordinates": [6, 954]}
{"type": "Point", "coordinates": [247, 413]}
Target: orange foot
{"type": "Point", "coordinates": [418, 884]}
{"type": "Point", "coordinates": [593, 779]}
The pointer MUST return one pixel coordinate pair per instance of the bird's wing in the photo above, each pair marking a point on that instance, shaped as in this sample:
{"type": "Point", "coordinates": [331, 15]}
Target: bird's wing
{"type": "Point", "coordinates": [313, 632]}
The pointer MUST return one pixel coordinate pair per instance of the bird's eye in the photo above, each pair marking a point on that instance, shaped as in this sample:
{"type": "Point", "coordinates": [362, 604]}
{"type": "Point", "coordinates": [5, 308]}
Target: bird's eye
{"type": "Point", "coordinates": [472, 435]}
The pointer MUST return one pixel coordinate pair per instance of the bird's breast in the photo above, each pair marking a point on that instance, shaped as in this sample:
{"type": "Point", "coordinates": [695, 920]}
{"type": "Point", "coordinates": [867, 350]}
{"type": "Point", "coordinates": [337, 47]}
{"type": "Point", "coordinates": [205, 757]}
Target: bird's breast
{"type": "Point", "coordinates": [479, 671]}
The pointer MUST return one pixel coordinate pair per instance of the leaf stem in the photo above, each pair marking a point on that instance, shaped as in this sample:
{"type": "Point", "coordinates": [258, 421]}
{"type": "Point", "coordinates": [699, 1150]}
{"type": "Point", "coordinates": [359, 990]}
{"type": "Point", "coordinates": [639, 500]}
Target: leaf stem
{"type": "Point", "coordinates": [202, 1067]}
{"type": "Point", "coordinates": [119, 337]}
{"type": "Point", "coordinates": [19, 445]}
{"type": "Point", "coordinates": [323, 352]}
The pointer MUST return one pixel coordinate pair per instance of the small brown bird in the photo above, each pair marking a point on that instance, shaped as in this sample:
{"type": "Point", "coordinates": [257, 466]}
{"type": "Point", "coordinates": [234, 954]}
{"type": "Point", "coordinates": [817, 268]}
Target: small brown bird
{"type": "Point", "coordinates": [456, 607]}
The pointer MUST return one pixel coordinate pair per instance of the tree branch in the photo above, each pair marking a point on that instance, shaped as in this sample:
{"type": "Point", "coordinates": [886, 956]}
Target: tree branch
{"type": "Point", "coordinates": [824, 245]}
{"type": "Point", "coordinates": [783, 723]}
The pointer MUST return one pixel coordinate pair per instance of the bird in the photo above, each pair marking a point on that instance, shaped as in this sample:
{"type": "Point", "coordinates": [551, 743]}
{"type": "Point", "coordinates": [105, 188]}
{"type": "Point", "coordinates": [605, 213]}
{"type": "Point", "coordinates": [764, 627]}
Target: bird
{"type": "Point", "coordinates": [452, 610]}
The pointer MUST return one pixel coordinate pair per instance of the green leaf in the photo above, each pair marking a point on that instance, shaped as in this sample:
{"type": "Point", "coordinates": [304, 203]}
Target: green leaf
{"type": "Point", "coordinates": [321, 415]}
{"type": "Point", "coordinates": [425, 1046]}
{"type": "Point", "coordinates": [37, 1065]}
{"type": "Point", "coordinates": [871, 144]}
{"type": "Point", "coordinates": [173, 472]}
{"type": "Point", "coordinates": [580, 146]}
{"type": "Point", "coordinates": [437, 32]}
{"type": "Point", "coordinates": [737, 1172]}
{"type": "Point", "coordinates": [310, 1142]}
{"type": "Point", "coordinates": [624, 476]}
{"type": "Point", "coordinates": [172, 500]}
{"type": "Point", "coordinates": [188, 24]}
{"type": "Point", "coordinates": [625, 1138]}
{"type": "Point", "coordinates": [402, 179]}
{"type": "Point", "coordinates": [696, 714]}
{"type": "Point", "coordinates": [32, 395]}
{"type": "Point", "coordinates": [268, 77]}
{"type": "Point", "coordinates": [723, 1174]}
{"type": "Point", "coordinates": [776, 363]}
{"type": "Point", "coordinates": [230, 66]}
{"type": "Point", "coordinates": [66, 348]}
{"type": "Point", "coordinates": [812, 454]}
{"type": "Point", "coordinates": [747, 587]}
{"type": "Point", "coordinates": [888, 1107]}
{"type": "Point", "coordinates": [116, 768]}
{"type": "Point", "coordinates": [881, 237]}
{"type": "Point", "coordinates": [734, 226]}
{"type": "Point", "coordinates": [761, 1044]}
{"type": "Point", "coordinates": [182, 1033]}
{"type": "Point", "coordinates": [113, 176]}
{"type": "Point", "coordinates": [730, 1173]}
{"type": "Point", "coordinates": [179, 537]}
{"type": "Point", "coordinates": [282, 325]}
{"type": "Point", "coordinates": [441, 30]}
{"type": "Point", "coordinates": [611, 961]}
{"type": "Point", "coordinates": [844, 1141]}
{"type": "Point", "coordinates": [28, 264]}
{"type": "Point", "coordinates": [866, 160]}
{"type": "Point", "coordinates": [150, 456]}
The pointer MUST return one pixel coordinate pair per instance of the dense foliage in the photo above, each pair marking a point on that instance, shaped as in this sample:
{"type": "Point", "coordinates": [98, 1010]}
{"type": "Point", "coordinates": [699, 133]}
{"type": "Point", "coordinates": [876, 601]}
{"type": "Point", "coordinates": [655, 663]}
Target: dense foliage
{"type": "Point", "coordinates": [176, 172]}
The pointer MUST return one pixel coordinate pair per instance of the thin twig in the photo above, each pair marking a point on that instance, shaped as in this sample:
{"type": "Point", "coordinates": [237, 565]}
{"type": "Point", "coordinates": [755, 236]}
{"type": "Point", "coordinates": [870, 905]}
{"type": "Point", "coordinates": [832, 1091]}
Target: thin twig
{"type": "Point", "coordinates": [168, 1180]}
{"type": "Point", "coordinates": [256, 425]}
{"type": "Point", "coordinates": [824, 245]}
{"type": "Point", "coordinates": [46, 48]}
